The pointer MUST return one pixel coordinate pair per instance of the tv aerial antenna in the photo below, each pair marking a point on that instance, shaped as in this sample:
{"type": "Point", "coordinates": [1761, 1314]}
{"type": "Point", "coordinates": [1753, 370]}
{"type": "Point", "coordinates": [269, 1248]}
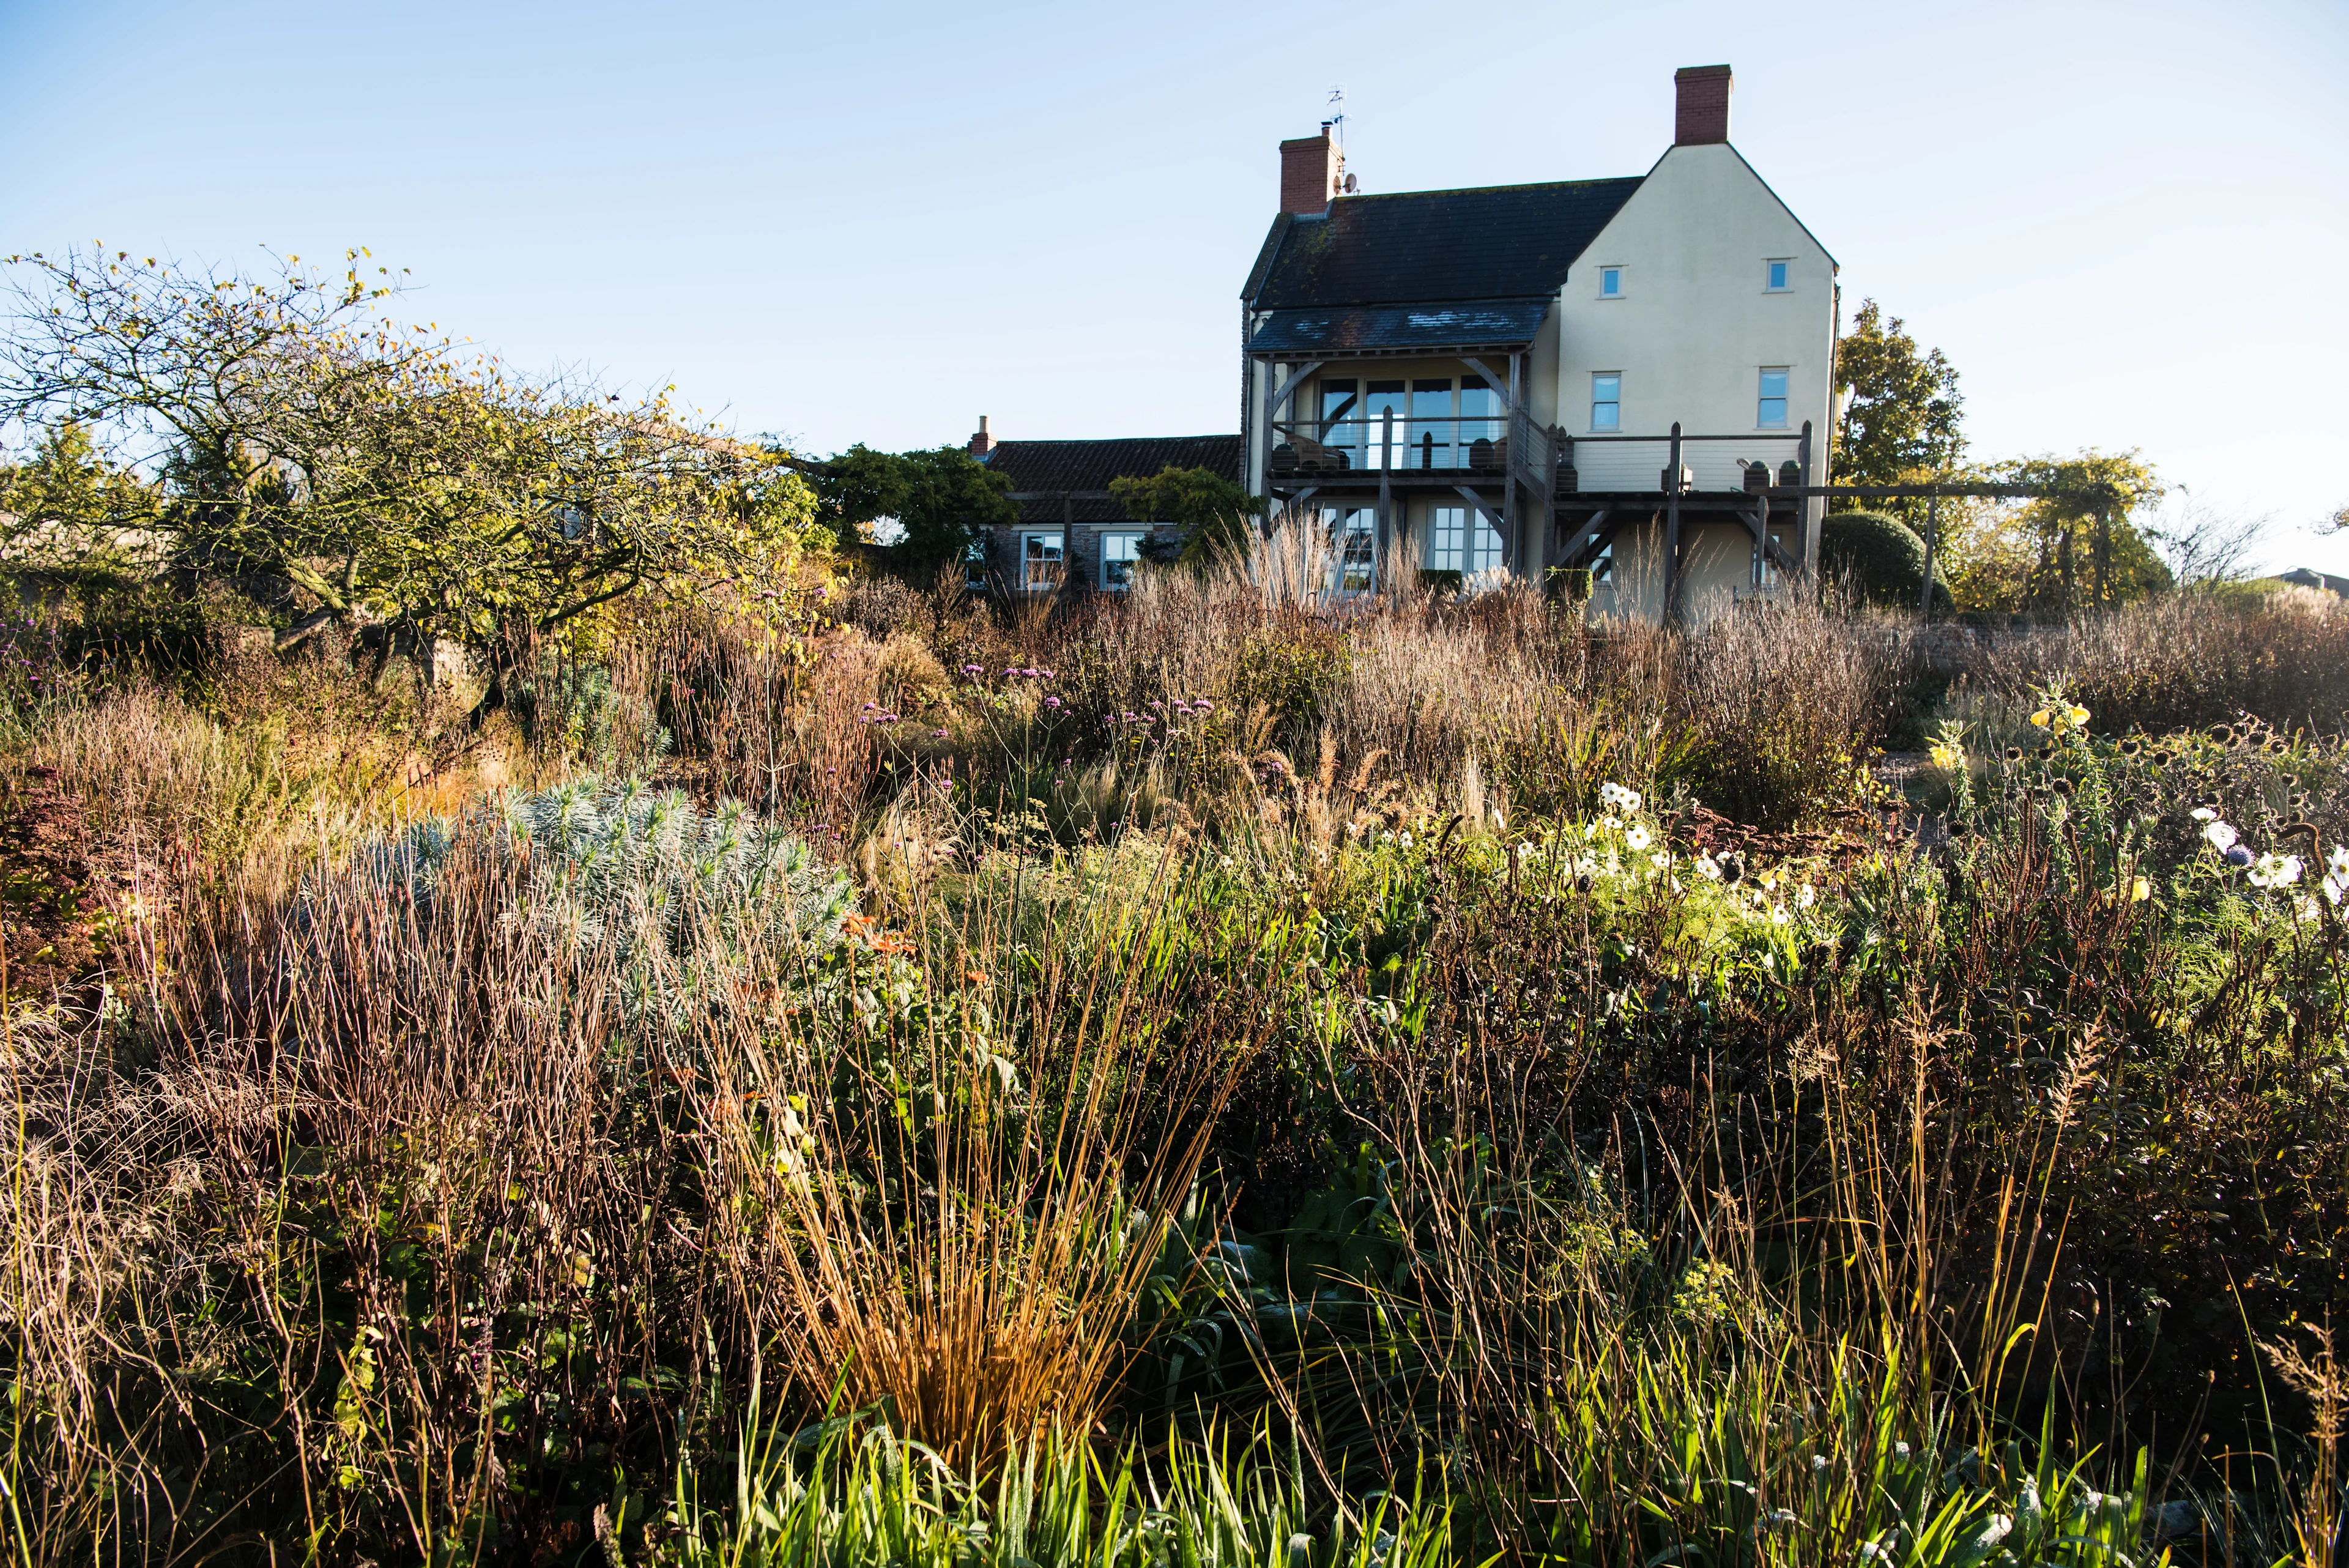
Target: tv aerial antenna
{"type": "Point", "coordinates": [1335, 127]}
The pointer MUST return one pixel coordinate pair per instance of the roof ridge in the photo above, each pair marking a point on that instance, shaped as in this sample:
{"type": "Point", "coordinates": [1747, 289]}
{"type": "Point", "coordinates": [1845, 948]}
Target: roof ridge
{"type": "Point", "coordinates": [1473, 189]}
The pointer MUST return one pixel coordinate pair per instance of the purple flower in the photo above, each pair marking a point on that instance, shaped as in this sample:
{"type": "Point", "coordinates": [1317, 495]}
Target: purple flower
{"type": "Point", "coordinates": [1052, 701]}
{"type": "Point", "coordinates": [939, 734]}
{"type": "Point", "coordinates": [1203, 706]}
{"type": "Point", "coordinates": [2237, 855]}
{"type": "Point", "coordinates": [872, 705]}
{"type": "Point", "coordinates": [1045, 673]}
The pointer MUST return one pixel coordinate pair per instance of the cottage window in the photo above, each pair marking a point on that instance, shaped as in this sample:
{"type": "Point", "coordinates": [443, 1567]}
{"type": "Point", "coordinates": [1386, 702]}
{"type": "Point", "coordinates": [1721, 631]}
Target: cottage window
{"type": "Point", "coordinates": [1607, 399]}
{"type": "Point", "coordinates": [1775, 274]}
{"type": "Point", "coordinates": [974, 566]}
{"type": "Point", "coordinates": [1039, 561]}
{"type": "Point", "coordinates": [1611, 283]}
{"type": "Point", "coordinates": [1771, 412]}
{"type": "Point", "coordinates": [1118, 554]}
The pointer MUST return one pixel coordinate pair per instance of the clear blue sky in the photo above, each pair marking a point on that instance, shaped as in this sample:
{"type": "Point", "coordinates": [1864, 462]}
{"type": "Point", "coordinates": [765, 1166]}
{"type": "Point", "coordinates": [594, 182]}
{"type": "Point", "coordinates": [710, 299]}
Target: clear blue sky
{"type": "Point", "coordinates": [2127, 225]}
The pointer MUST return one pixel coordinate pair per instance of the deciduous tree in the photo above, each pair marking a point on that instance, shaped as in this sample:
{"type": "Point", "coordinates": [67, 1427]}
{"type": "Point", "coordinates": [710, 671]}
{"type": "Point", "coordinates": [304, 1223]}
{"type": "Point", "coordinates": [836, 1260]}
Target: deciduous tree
{"type": "Point", "coordinates": [1902, 420]}
{"type": "Point", "coordinates": [299, 437]}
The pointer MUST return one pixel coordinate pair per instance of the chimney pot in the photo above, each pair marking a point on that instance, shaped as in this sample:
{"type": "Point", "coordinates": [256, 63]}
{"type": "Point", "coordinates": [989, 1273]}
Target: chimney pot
{"type": "Point", "coordinates": [983, 442]}
{"type": "Point", "coordinates": [1312, 170]}
{"type": "Point", "coordinates": [1701, 110]}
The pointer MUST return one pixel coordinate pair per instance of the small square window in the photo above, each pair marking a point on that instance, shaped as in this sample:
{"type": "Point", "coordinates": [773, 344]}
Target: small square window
{"type": "Point", "coordinates": [1771, 413]}
{"type": "Point", "coordinates": [1775, 274]}
{"type": "Point", "coordinates": [1118, 554]}
{"type": "Point", "coordinates": [1607, 399]}
{"type": "Point", "coordinates": [1611, 283]}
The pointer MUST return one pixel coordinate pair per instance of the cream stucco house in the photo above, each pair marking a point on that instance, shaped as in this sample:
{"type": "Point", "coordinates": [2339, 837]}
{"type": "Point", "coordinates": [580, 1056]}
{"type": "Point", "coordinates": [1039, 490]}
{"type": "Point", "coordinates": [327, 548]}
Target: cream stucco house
{"type": "Point", "coordinates": [1490, 379]}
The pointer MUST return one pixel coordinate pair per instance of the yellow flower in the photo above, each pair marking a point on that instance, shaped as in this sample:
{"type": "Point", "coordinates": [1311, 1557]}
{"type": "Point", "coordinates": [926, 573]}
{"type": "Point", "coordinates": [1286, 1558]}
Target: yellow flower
{"type": "Point", "coordinates": [2040, 718]}
{"type": "Point", "coordinates": [2079, 716]}
{"type": "Point", "coordinates": [2140, 890]}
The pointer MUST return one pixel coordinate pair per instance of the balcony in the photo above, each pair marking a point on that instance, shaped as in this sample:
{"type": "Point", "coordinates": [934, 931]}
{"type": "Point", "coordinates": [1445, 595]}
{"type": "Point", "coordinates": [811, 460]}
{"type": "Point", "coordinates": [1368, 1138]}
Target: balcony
{"type": "Point", "coordinates": [1460, 444]}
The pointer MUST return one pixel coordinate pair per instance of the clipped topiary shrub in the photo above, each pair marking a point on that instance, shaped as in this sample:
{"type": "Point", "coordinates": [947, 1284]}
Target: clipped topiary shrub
{"type": "Point", "coordinates": [1880, 558]}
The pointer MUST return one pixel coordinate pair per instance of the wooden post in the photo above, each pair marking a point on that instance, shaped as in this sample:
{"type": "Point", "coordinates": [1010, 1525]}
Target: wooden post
{"type": "Point", "coordinates": [1803, 517]}
{"type": "Point", "coordinates": [1932, 527]}
{"type": "Point", "coordinates": [1672, 527]}
{"type": "Point", "coordinates": [1386, 502]}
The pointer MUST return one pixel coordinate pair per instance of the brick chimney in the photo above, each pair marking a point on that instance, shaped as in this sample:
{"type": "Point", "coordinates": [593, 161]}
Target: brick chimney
{"type": "Point", "coordinates": [981, 443]}
{"type": "Point", "coordinates": [1311, 171]}
{"type": "Point", "coordinates": [1701, 111]}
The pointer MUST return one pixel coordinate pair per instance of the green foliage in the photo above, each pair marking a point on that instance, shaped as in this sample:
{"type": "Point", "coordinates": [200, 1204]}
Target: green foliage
{"type": "Point", "coordinates": [310, 451]}
{"type": "Point", "coordinates": [1214, 516]}
{"type": "Point", "coordinates": [944, 500]}
{"type": "Point", "coordinates": [2089, 552]}
{"type": "Point", "coordinates": [1879, 558]}
{"type": "Point", "coordinates": [1903, 418]}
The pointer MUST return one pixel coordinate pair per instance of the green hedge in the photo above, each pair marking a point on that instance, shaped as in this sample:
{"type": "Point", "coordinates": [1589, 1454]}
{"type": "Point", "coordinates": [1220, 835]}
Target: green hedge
{"type": "Point", "coordinates": [1880, 557]}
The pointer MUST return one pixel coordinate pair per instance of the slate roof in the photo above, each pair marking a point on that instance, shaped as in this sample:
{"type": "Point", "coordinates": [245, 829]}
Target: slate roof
{"type": "Point", "coordinates": [1500, 242]}
{"type": "Point", "coordinates": [1058, 465]}
{"type": "Point", "coordinates": [1499, 323]}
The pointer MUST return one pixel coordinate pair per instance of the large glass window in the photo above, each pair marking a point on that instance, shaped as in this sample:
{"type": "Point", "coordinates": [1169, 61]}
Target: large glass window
{"type": "Point", "coordinates": [1341, 413]}
{"type": "Point", "coordinates": [1772, 412]}
{"type": "Point", "coordinates": [1039, 561]}
{"type": "Point", "coordinates": [1118, 554]}
{"type": "Point", "coordinates": [1430, 443]}
{"type": "Point", "coordinates": [1480, 419]}
{"type": "Point", "coordinates": [1462, 539]}
{"type": "Point", "coordinates": [1607, 399]}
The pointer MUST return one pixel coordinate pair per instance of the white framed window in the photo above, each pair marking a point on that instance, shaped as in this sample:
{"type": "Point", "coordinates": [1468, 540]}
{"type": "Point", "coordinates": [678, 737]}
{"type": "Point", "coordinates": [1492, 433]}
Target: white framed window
{"type": "Point", "coordinates": [1777, 274]}
{"type": "Point", "coordinates": [1040, 560]}
{"type": "Point", "coordinates": [1611, 283]}
{"type": "Point", "coordinates": [1770, 408]}
{"type": "Point", "coordinates": [1462, 539]}
{"type": "Point", "coordinates": [1766, 575]}
{"type": "Point", "coordinates": [974, 566]}
{"type": "Point", "coordinates": [1605, 400]}
{"type": "Point", "coordinates": [1118, 554]}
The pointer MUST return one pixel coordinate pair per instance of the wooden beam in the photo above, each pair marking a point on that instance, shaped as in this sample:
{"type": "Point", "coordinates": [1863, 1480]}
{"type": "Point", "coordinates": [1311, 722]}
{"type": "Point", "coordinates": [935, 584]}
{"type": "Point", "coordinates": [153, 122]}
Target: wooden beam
{"type": "Point", "coordinates": [1891, 492]}
{"type": "Point", "coordinates": [1296, 379]}
{"type": "Point", "coordinates": [1932, 527]}
{"type": "Point", "coordinates": [1507, 390]}
{"type": "Point", "coordinates": [1478, 501]}
{"type": "Point", "coordinates": [1672, 523]}
{"type": "Point", "coordinates": [1595, 535]}
{"type": "Point", "coordinates": [1757, 522]}
{"type": "Point", "coordinates": [1386, 466]}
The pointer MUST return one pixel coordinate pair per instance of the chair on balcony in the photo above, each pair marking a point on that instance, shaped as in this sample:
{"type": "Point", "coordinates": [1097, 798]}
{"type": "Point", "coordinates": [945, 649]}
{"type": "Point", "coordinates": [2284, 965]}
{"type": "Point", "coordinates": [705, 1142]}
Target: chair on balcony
{"type": "Point", "coordinates": [1488, 455]}
{"type": "Point", "coordinates": [1303, 455]}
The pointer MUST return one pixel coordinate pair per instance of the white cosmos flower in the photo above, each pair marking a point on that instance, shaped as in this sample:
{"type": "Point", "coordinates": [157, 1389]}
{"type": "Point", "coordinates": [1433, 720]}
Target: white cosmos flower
{"type": "Point", "coordinates": [2273, 870]}
{"type": "Point", "coordinates": [1708, 868]}
{"type": "Point", "coordinates": [1805, 895]}
{"type": "Point", "coordinates": [1660, 860]}
{"type": "Point", "coordinates": [2336, 889]}
{"type": "Point", "coordinates": [1638, 838]}
{"type": "Point", "coordinates": [2338, 861]}
{"type": "Point", "coordinates": [1778, 916]}
{"type": "Point", "coordinates": [2221, 837]}
{"type": "Point", "coordinates": [2204, 814]}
